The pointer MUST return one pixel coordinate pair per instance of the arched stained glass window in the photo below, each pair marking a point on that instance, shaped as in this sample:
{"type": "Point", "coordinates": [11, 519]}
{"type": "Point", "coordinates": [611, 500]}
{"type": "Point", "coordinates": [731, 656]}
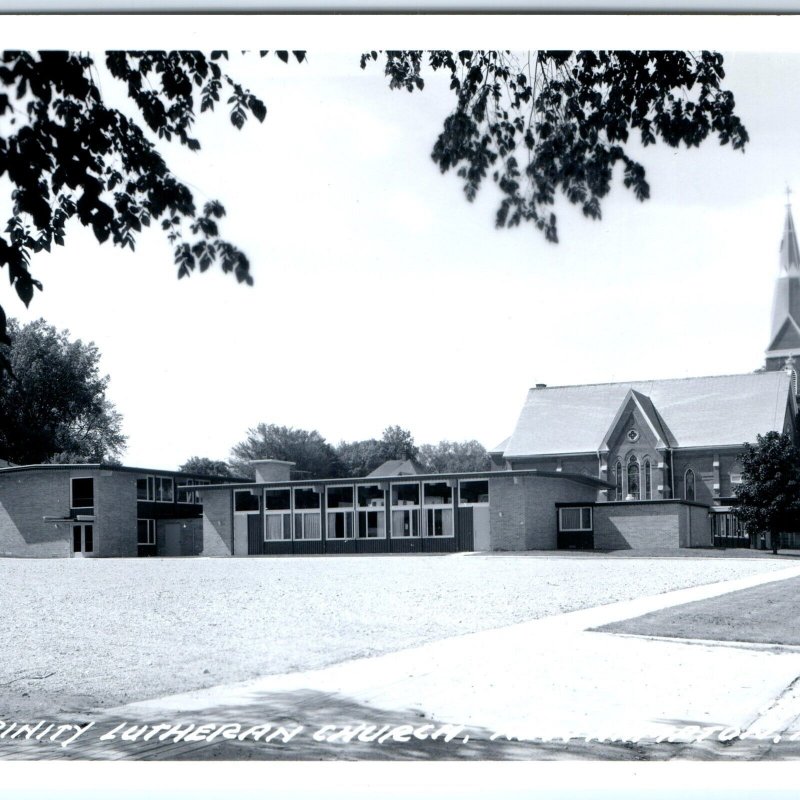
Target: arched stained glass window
{"type": "Point", "coordinates": [648, 484]}
{"type": "Point", "coordinates": [688, 485]}
{"type": "Point", "coordinates": [618, 478]}
{"type": "Point", "coordinates": [633, 479]}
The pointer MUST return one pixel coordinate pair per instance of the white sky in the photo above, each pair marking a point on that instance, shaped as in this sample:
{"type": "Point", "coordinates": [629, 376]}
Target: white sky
{"type": "Point", "coordinates": [382, 297]}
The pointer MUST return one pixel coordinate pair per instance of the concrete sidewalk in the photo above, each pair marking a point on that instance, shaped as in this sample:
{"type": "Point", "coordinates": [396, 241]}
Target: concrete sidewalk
{"type": "Point", "coordinates": [552, 677]}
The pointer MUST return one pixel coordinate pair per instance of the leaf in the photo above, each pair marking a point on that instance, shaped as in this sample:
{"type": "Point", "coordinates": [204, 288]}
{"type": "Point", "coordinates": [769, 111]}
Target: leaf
{"type": "Point", "coordinates": [257, 107]}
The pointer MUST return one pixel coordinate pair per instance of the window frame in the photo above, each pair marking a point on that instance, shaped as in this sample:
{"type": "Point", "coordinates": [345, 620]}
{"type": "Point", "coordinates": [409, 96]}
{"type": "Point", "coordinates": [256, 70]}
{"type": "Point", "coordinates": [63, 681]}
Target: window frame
{"type": "Point", "coordinates": [159, 483]}
{"type": "Point", "coordinates": [151, 531]}
{"type": "Point", "coordinates": [412, 509]}
{"type": "Point", "coordinates": [193, 498]}
{"type": "Point", "coordinates": [465, 504]}
{"type": "Point", "coordinates": [150, 489]}
{"type": "Point", "coordinates": [343, 511]}
{"type": "Point", "coordinates": [302, 513]}
{"type": "Point", "coordinates": [693, 498]}
{"type": "Point", "coordinates": [72, 492]}
{"type": "Point", "coordinates": [258, 497]}
{"type": "Point", "coordinates": [633, 464]}
{"type": "Point", "coordinates": [581, 529]}
{"type": "Point", "coordinates": [363, 511]}
{"type": "Point", "coordinates": [430, 510]}
{"type": "Point", "coordinates": [283, 513]}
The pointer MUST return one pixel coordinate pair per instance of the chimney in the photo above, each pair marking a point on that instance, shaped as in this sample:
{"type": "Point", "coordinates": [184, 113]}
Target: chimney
{"type": "Point", "coordinates": [541, 385]}
{"type": "Point", "coordinates": [271, 470]}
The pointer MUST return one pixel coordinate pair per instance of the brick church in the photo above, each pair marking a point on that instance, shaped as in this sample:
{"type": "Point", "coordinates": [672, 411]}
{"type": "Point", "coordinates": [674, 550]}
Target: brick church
{"type": "Point", "coordinates": [670, 439]}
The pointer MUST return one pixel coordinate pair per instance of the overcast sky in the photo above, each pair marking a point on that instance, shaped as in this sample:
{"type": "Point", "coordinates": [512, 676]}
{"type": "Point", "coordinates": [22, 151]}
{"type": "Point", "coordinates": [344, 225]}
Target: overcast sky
{"type": "Point", "coordinates": [382, 297]}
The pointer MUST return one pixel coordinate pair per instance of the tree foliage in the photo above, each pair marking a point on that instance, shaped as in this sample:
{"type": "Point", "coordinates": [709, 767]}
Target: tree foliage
{"type": "Point", "coordinates": [199, 465]}
{"type": "Point", "coordinates": [544, 122]}
{"type": "Point", "coordinates": [359, 458]}
{"type": "Point", "coordinates": [448, 456]}
{"type": "Point", "coordinates": [69, 155]}
{"type": "Point", "coordinates": [312, 455]}
{"type": "Point", "coordinates": [538, 123]}
{"type": "Point", "coordinates": [53, 403]}
{"type": "Point", "coordinates": [769, 494]}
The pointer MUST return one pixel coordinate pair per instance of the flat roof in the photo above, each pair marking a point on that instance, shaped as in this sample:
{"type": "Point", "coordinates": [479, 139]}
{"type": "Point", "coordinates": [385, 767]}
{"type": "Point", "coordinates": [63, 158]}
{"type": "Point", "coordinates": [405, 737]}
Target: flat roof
{"type": "Point", "coordinates": [588, 480]}
{"type": "Point", "coordinates": [117, 468]}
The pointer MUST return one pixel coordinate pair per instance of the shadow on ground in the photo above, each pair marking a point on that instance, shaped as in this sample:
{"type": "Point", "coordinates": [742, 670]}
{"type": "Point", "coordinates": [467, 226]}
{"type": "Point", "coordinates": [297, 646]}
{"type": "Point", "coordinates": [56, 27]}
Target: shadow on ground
{"type": "Point", "coordinates": [314, 742]}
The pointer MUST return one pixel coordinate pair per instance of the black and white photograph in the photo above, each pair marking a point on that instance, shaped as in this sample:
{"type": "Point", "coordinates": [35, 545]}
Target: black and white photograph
{"type": "Point", "coordinates": [426, 405]}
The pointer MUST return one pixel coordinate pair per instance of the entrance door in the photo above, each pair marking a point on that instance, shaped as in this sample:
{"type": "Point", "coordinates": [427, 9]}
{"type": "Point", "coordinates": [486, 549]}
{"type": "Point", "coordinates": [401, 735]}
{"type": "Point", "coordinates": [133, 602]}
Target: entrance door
{"type": "Point", "coordinates": [172, 538]}
{"type": "Point", "coordinates": [82, 540]}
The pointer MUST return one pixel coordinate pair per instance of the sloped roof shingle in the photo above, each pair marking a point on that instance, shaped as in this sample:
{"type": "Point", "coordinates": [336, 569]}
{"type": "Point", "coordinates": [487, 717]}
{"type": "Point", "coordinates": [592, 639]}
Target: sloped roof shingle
{"type": "Point", "coordinates": [719, 410]}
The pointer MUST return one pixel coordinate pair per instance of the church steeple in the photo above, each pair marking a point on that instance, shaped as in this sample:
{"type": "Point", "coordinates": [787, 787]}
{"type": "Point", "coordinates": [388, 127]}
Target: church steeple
{"type": "Point", "coordinates": [784, 340]}
{"type": "Point", "coordinates": [790, 255]}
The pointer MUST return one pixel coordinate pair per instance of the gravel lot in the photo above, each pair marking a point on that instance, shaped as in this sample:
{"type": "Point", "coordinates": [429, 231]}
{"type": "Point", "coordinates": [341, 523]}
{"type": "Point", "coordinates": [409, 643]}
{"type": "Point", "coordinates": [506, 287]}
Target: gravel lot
{"type": "Point", "coordinates": [109, 631]}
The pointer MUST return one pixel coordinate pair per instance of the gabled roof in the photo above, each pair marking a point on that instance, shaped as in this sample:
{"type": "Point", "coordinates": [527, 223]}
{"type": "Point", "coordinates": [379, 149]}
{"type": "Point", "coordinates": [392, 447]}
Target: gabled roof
{"type": "Point", "coordinates": [396, 468]}
{"type": "Point", "coordinates": [693, 412]}
{"type": "Point", "coordinates": [646, 407]}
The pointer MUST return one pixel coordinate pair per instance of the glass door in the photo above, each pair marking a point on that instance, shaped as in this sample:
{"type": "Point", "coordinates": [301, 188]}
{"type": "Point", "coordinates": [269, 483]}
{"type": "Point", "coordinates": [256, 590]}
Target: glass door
{"type": "Point", "coordinates": [82, 540]}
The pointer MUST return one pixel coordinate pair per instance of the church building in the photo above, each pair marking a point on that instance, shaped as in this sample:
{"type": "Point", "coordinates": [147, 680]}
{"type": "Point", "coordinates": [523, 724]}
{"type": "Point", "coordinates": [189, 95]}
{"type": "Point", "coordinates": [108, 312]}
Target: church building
{"type": "Point", "coordinates": [666, 440]}
{"type": "Point", "coordinates": [649, 465]}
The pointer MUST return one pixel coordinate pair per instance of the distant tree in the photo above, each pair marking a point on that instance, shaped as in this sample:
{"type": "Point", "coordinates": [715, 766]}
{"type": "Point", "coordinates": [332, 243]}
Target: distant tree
{"type": "Point", "coordinates": [68, 154]}
{"type": "Point", "coordinates": [544, 121]}
{"type": "Point", "coordinates": [769, 494]}
{"type": "Point", "coordinates": [361, 457]}
{"type": "Point", "coordinates": [447, 456]}
{"type": "Point", "coordinates": [53, 405]}
{"type": "Point", "coordinates": [198, 465]}
{"type": "Point", "coordinates": [397, 443]}
{"type": "Point", "coordinates": [310, 452]}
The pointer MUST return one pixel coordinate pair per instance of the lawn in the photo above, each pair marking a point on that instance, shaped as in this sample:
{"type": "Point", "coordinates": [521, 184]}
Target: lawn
{"type": "Point", "coordinates": [79, 634]}
{"type": "Point", "coordinates": [767, 614]}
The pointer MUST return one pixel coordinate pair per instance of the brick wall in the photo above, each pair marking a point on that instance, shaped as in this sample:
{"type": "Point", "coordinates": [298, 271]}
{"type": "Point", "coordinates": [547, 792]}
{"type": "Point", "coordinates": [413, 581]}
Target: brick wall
{"type": "Point", "coordinates": [26, 497]}
{"type": "Point", "coordinates": [647, 525]}
{"type": "Point", "coordinates": [522, 510]}
{"type": "Point", "coordinates": [115, 513]}
{"type": "Point", "coordinates": [700, 522]}
{"type": "Point", "coordinates": [217, 533]}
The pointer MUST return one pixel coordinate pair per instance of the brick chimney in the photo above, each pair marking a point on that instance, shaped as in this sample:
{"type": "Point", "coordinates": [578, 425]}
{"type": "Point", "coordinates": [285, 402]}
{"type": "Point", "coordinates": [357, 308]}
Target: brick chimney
{"type": "Point", "coordinates": [269, 470]}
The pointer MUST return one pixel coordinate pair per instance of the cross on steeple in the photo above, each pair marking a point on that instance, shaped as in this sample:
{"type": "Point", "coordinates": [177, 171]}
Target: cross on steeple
{"type": "Point", "coordinates": [788, 196]}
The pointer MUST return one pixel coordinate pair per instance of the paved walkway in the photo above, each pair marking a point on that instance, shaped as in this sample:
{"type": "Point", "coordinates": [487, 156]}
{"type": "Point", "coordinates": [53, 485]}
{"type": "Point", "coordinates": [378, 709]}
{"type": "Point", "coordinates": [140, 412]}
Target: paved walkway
{"type": "Point", "coordinates": [515, 692]}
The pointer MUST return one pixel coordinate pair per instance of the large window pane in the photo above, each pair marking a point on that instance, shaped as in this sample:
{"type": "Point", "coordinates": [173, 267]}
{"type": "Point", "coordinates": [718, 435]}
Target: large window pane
{"type": "Point", "coordinates": [82, 493]}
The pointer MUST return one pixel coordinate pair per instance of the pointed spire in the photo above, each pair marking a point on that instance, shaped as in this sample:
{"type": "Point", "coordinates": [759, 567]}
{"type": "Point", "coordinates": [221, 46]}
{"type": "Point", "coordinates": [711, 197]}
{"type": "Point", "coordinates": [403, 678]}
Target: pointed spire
{"type": "Point", "coordinates": [790, 254]}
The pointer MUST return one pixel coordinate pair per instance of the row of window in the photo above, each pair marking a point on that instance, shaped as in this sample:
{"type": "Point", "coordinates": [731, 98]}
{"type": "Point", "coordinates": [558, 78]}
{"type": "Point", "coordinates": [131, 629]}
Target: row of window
{"type": "Point", "coordinates": [282, 526]}
{"type": "Point", "coordinates": [633, 489]}
{"type": "Point", "coordinates": [359, 512]}
{"type": "Point", "coordinates": [152, 488]}
{"type": "Point", "coordinates": [471, 492]}
{"type": "Point", "coordinates": [158, 489]}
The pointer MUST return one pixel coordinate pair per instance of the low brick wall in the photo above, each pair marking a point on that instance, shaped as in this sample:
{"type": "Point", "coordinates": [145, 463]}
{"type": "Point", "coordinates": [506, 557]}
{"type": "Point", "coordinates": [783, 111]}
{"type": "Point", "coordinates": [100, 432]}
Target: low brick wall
{"type": "Point", "coordinates": [522, 509]}
{"type": "Point", "coordinates": [666, 524]}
